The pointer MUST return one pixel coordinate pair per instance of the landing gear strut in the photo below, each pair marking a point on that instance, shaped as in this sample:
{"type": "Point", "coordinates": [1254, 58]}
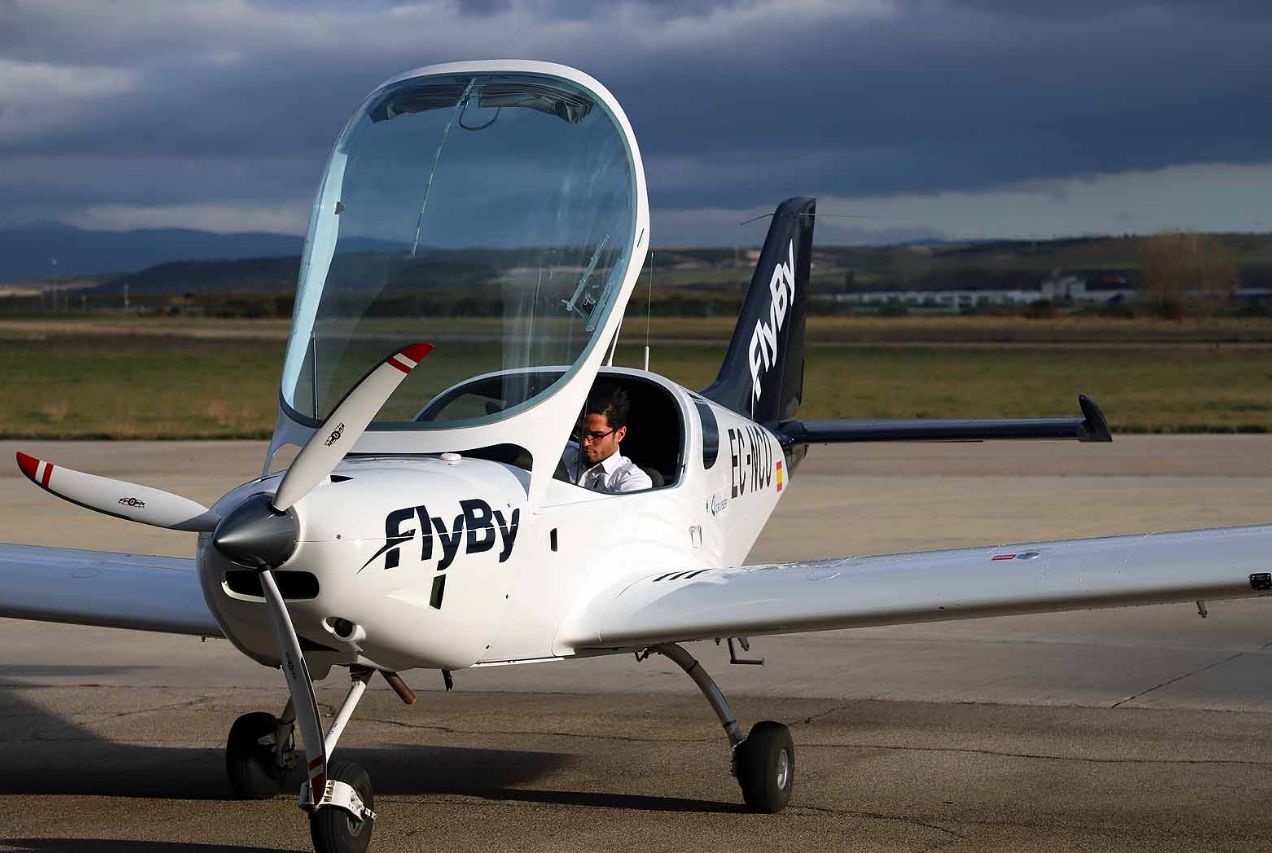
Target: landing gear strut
{"type": "Point", "coordinates": [261, 753]}
{"type": "Point", "coordinates": [763, 760]}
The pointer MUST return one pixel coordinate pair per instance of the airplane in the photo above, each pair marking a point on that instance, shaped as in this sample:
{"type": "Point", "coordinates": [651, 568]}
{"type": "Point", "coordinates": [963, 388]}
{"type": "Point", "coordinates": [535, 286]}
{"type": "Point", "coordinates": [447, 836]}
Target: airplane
{"type": "Point", "coordinates": [425, 522]}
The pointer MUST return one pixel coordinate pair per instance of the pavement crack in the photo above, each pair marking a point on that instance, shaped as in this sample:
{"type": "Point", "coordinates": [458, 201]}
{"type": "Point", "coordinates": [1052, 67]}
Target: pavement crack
{"type": "Point", "coordinates": [831, 710]}
{"type": "Point", "coordinates": [910, 821]}
{"type": "Point", "coordinates": [533, 733]}
{"type": "Point", "coordinates": [121, 715]}
{"type": "Point", "coordinates": [1170, 681]}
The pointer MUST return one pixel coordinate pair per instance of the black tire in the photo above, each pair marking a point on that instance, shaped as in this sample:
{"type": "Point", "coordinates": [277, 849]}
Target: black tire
{"type": "Point", "coordinates": [249, 757]}
{"type": "Point", "coordinates": [766, 767]}
{"type": "Point", "coordinates": [334, 830]}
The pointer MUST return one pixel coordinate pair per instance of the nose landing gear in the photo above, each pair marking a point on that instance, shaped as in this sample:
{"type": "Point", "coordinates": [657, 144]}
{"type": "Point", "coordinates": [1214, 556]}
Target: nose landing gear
{"type": "Point", "coordinates": [260, 756]}
{"type": "Point", "coordinates": [764, 759]}
{"type": "Point", "coordinates": [336, 830]}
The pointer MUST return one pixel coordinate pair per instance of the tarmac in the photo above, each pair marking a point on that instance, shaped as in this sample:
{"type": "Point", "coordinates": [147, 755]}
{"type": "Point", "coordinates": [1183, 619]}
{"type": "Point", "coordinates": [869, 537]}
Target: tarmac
{"type": "Point", "coordinates": [1127, 729]}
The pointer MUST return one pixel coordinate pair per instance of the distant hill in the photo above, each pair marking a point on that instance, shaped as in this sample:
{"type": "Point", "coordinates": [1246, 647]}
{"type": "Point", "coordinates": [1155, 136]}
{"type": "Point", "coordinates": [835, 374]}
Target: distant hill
{"type": "Point", "coordinates": [278, 275]}
{"type": "Point", "coordinates": [167, 262]}
{"type": "Point", "coordinates": [45, 249]}
{"type": "Point", "coordinates": [246, 275]}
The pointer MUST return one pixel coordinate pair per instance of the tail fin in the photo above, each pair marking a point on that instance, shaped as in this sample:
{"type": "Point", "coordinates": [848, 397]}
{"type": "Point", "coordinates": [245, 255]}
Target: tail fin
{"type": "Point", "coordinates": [762, 376]}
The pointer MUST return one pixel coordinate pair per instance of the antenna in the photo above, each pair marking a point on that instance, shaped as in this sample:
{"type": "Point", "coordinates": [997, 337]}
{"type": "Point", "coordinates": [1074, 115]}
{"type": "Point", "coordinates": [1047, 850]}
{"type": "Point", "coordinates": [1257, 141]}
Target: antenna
{"type": "Point", "coordinates": [649, 306]}
{"type": "Point", "coordinates": [614, 344]}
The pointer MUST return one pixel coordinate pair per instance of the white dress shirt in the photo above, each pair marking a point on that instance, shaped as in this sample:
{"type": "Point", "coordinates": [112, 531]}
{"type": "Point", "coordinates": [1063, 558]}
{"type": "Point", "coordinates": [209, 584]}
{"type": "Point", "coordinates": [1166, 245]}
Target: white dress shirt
{"type": "Point", "coordinates": [615, 473]}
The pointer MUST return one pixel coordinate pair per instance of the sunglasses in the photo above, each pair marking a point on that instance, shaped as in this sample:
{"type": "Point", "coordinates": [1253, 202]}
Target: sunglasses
{"type": "Point", "coordinates": [585, 435]}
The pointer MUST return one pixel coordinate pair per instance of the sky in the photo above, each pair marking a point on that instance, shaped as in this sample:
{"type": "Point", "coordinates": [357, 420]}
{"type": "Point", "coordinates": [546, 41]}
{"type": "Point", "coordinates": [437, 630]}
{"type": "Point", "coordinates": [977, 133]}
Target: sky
{"type": "Point", "coordinates": [907, 119]}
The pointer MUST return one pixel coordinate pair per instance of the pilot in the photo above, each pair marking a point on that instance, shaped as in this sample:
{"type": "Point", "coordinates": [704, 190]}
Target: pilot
{"type": "Point", "coordinates": [594, 461]}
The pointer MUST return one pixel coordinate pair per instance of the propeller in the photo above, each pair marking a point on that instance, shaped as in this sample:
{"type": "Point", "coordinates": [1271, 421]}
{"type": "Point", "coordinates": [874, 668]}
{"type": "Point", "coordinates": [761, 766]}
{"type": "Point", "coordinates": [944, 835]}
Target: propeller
{"type": "Point", "coordinates": [119, 498]}
{"type": "Point", "coordinates": [262, 531]}
{"type": "Point", "coordinates": [300, 686]}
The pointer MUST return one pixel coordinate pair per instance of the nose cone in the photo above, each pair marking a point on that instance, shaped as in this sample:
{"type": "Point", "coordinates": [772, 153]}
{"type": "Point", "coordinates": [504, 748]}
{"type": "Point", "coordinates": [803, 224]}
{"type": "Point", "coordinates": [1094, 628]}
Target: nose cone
{"type": "Point", "coordinates": [256, 535]}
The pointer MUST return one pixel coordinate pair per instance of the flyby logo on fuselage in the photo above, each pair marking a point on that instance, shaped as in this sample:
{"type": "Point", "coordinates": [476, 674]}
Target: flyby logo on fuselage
{"type": "Point", "coordinates": [763, 351]}
{"type": "Point", "coordinates": [477, 527]}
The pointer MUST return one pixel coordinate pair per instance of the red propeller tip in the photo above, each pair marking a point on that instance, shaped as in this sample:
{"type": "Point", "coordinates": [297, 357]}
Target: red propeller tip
{"type": "Point", "coordinates": [416, 352]}
{"type": "Point", "coordinates": [28, 464]}
{"type": "Point", "coordinates": [407, 359]}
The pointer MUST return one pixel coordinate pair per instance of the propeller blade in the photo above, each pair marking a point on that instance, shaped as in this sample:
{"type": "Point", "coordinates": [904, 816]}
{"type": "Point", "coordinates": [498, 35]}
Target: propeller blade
{"type": "Point", "coordinates": [345, 425]}
{"type": "Point", "coordinates": [118, 498]}
{"type": "Point", "coordinates": [301, 687]}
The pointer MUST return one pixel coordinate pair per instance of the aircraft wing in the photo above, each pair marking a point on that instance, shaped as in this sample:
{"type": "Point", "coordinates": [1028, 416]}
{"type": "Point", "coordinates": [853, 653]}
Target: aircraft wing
{"type": "Point", "coordinates": [102, 588]}
{"type": "Point", "coordinates": [925, 586]}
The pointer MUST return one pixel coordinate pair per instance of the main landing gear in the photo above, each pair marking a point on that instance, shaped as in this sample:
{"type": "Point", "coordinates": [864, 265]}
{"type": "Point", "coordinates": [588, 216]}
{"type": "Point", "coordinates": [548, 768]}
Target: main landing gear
{"type": "Point", "coordinates": [763, 760]}
{"type": "Point", "coordinates": [261, 753]}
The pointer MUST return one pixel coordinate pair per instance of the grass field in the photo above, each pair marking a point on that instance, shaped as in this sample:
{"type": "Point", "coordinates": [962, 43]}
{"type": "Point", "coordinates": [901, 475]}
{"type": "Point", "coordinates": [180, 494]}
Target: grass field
{"type": "Point", "coordinates": [201, 380]}
{"type": "Point", "coordinates": [837, 330]}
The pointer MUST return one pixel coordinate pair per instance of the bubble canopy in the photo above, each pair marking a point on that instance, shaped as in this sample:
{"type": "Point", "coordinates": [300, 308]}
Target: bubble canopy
{"type": "Point", "coordinates": [492, 213]}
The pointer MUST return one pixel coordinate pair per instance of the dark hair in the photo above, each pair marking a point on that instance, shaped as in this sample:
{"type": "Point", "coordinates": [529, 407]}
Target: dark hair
{"type": "Point", "coordinates": [611, 401]}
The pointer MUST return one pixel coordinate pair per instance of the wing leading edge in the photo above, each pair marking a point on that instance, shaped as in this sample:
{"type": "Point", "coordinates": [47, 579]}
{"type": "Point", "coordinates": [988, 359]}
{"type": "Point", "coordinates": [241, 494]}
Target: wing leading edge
{"type": "Point", "coordinates": [102, 588]}
{"type": "Point", "coordinates": [926, 586]}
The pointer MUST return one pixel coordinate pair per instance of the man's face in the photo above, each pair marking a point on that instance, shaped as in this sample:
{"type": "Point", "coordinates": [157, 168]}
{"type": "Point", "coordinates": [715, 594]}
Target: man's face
{"type": "Point", "coordinates": [596, 449]}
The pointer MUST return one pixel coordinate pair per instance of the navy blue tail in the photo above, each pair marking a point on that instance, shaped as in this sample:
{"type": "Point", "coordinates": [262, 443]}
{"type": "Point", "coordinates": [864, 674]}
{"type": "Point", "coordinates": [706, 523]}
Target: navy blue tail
{"type": "Point", "coordinates": [762, 376]}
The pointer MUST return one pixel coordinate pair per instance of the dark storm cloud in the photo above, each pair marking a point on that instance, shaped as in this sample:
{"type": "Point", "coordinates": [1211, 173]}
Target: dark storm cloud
{"type": "Point", "coordinates": [735, 104]}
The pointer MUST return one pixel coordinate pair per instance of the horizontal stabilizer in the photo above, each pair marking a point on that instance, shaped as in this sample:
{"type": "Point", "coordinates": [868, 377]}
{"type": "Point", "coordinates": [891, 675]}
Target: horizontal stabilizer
{"type": "Point", "coordinates": [1090, 427]}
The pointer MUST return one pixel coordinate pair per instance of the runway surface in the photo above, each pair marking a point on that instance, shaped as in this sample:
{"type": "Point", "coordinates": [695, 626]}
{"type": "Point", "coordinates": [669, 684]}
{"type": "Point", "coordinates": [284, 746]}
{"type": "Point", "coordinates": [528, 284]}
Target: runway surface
{"type": "Point", "coordinates": [1142, 728]}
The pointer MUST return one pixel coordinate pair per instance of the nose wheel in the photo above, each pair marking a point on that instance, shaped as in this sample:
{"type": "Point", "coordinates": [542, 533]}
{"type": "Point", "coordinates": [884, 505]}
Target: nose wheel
{"type": "Point", "coordinates": [336, 830]}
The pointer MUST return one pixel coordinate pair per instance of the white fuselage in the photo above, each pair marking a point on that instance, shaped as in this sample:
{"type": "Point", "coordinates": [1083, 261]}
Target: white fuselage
{"type": "Point", "coordinates": [421, 562]}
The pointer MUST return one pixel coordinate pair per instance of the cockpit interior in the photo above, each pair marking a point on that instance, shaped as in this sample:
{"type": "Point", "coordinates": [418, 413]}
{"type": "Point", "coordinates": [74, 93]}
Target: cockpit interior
{"type": "Point", "coordinates": [655, 426]}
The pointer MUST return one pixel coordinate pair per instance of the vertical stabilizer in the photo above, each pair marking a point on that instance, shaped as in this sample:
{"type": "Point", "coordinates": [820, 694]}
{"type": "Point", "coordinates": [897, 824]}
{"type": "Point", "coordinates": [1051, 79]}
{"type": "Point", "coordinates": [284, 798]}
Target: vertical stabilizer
{"type": "Point", "coordinates": [762, 376]}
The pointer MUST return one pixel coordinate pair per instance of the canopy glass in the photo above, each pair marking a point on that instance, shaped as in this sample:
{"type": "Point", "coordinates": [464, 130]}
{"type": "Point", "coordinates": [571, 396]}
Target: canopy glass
{"type": "Point", "coordinates": [489, 214]}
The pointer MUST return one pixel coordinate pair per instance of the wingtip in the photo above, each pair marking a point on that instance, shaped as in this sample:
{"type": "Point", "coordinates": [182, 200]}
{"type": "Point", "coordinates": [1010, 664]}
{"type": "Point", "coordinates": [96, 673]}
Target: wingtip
{"type": "Point", "coordinates": [1095, 427]}
{"type": "Point", "coordinates": [29, 465]}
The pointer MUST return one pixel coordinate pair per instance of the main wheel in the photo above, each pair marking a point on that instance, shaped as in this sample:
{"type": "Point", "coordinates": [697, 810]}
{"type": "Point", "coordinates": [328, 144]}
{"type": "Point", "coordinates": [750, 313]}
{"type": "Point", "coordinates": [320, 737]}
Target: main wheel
{"type": "Point", "coordinates": [766, 767]}
{"type": "Point", "coordinates": [253, 768]}
{"type": "Point", "coordinates": [334, 830]}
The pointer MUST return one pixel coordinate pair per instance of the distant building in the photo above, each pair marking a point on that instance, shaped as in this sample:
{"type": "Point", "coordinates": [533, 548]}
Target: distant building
{"type": "Point", "coordinates": [1059, 287]}
{"type": "Point", "coordinates": [1056, 287]}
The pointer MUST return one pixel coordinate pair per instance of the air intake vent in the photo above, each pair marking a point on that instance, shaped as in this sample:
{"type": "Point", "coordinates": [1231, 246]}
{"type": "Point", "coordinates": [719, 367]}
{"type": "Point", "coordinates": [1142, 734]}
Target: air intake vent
{"type": "Point", "coordinates": [293, 585]}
